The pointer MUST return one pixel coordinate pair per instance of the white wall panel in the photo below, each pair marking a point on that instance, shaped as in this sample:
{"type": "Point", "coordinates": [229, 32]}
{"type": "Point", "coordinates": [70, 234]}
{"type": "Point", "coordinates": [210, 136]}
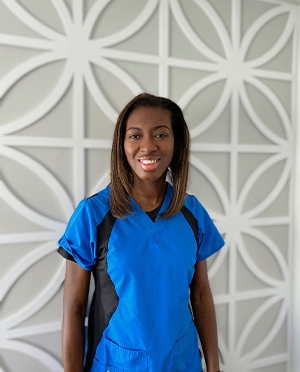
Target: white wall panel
{"type": "Point", "coordinates": [67, 68]}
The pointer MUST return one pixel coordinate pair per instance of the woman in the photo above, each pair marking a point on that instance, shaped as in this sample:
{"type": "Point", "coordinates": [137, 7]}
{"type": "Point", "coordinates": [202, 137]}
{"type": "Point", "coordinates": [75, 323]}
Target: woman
{"type": "Point", "coordinates": [146, 243]}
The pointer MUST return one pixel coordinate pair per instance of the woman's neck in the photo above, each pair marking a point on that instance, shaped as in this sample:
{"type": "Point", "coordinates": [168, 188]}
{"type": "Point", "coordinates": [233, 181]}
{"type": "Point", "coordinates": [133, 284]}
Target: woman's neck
{"type": "Point", "coordinates": [149, 196]}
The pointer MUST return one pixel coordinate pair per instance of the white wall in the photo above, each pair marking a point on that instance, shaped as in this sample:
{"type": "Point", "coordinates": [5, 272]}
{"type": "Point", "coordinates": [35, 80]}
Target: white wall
{"type": "Point", "coordinates": [67, 69]}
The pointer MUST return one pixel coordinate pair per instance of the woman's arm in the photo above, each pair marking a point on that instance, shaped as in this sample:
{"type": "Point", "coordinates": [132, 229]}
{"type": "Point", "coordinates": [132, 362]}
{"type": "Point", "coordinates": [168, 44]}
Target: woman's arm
{"type": "Point", "coordinates": [204, 315]}
{"type": "Point", "coordinates": [76, 288]}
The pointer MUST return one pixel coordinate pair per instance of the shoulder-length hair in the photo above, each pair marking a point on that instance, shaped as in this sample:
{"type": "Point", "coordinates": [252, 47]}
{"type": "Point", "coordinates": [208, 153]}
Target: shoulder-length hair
{"type": "Point", "coordinates": [121, 174]}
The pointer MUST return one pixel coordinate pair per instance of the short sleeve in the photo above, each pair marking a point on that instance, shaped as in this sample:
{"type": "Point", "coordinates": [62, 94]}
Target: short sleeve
{"type": "Point", "coordinates": [210, 240]}
{"type": "Point", "coordinates": [79, 239]}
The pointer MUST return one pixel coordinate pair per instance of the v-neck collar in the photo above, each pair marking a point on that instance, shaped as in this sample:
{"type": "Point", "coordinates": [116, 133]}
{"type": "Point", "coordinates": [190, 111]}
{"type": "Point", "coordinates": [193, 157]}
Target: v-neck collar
{"type": "Point", "coordinates": [154, 213]}
{"type": "Point", "coordinates": [142, 216]}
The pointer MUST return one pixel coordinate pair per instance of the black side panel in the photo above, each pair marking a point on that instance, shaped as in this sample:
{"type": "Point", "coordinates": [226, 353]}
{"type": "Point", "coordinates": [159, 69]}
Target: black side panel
{"type": "Point", "coordinates": [192, 220]}
{"type": "Point", "coordinates": [65, 254]}
{"type": "Point", "coordinates": [105, 299]}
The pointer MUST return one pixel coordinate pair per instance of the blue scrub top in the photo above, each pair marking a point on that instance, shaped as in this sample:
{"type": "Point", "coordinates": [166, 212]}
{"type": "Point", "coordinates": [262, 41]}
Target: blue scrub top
{"type": "Point", "coordinates": [140, 319]}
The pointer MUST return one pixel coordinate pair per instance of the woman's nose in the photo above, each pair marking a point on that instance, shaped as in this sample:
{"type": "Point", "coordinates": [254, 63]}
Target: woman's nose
{"type": "Point", "coordinates": [148, 144]}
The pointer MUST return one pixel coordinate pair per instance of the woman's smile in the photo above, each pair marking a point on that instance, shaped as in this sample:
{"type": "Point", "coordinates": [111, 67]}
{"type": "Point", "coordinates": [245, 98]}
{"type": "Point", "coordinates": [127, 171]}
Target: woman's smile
{"type": "Point", "coordinates": [149, 164]}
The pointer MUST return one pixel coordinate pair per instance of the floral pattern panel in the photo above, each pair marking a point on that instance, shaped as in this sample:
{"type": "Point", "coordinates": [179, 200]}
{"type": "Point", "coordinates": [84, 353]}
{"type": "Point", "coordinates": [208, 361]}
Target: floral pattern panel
{"type": "Point", "coordinates": [67, 68]}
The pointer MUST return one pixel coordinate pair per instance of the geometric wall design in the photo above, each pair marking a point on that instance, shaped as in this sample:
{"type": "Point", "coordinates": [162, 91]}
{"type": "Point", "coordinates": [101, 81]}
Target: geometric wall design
{"type": "Point", "coordinates": [67, 68]}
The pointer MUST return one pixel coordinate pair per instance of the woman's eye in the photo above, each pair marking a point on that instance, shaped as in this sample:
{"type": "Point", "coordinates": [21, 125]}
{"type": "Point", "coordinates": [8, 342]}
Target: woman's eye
{"type": "Point", "coordinates": [133, 136]}
{"type": "Point", "coordinates": [161, 135]}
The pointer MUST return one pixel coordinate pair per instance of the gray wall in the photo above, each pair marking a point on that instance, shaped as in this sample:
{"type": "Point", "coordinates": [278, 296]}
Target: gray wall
{"type": "Point", "coordinates": [67, 68]}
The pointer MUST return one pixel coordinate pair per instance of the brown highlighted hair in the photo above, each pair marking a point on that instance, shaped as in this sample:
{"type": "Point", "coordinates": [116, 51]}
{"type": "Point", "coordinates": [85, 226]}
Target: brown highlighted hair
{"type": "Point", "coordinates": [121, 176]}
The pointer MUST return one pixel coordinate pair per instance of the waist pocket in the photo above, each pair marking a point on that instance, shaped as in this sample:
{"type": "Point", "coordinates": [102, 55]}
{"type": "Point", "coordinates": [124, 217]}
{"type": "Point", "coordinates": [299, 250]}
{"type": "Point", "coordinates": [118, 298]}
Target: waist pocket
{"type": "Point", "coordinates": [115, 358]}
{"type": "Point", "coordinates": [99, 367]}
{"type": "Point", "coordinates": [186, 353]}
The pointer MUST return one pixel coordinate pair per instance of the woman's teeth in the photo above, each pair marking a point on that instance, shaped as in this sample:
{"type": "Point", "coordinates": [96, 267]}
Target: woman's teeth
{"type": "Point", "coordinates": [148, 161]}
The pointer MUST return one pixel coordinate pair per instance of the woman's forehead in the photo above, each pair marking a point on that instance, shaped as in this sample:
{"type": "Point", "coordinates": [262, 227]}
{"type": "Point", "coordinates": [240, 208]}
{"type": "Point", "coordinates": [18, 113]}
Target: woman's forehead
{"type": "Point", "coordinates": [149, 115]}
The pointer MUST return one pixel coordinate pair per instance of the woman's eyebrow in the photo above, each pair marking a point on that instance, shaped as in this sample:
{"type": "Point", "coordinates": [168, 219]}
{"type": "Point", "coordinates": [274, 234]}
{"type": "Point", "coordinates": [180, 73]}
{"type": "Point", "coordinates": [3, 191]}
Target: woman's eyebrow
{"type": "Point", "coordinates": [133, 128]}
{"type": "Point", "coordinates": [162, 126]}
{"type": "Point", "coordinates": [155, 128]}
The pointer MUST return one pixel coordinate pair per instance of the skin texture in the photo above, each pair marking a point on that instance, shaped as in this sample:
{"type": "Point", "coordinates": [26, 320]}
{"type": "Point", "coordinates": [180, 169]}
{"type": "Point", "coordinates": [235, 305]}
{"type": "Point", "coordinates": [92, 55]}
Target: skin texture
{"type": "Point", "coordinates": [149, 148]}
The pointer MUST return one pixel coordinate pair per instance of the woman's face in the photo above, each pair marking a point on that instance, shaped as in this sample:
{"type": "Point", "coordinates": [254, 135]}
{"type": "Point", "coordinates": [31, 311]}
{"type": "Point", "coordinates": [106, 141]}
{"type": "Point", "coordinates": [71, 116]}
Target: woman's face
{"type": "Point", "coordinates": [149, 143]}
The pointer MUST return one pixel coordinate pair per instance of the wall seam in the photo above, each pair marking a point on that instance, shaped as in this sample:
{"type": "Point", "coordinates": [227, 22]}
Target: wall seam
{"type": "Point", "coordinates": [295, 326]}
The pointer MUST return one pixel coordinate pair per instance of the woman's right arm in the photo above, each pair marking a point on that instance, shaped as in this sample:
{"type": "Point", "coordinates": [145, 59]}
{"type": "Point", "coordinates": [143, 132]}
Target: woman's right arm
{"type": "Point", "coordinates": [76, 289]}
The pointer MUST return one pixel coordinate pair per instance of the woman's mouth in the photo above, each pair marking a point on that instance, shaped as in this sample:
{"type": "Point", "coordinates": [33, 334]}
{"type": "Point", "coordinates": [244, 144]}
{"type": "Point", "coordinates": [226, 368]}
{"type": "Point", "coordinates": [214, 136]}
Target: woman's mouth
{"type": "Point", "coordinates": [149, 164]}
{"type": "Point", "coordinates": [147, 161]}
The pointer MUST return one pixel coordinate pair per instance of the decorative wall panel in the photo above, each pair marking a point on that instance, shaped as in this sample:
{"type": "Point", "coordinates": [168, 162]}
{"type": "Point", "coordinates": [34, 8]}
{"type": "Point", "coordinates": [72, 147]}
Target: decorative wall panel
{"type": "Point", "coordinates": [67, 68]}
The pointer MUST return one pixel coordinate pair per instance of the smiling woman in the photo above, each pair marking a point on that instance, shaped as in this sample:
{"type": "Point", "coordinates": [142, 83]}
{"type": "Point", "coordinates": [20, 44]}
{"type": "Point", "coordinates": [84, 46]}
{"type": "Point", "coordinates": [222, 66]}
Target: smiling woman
{"type": "Point", "coordinates": [164, 113]}
{"type": "Point", "coordinates": [149, 148]}
{"type": "Point", "coordinates": [146, 243]}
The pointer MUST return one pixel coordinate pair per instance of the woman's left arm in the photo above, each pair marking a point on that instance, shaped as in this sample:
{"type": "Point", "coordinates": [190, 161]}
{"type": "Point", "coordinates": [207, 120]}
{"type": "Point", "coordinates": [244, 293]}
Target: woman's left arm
{"type": "Point", "coordinates": [204, 315]}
